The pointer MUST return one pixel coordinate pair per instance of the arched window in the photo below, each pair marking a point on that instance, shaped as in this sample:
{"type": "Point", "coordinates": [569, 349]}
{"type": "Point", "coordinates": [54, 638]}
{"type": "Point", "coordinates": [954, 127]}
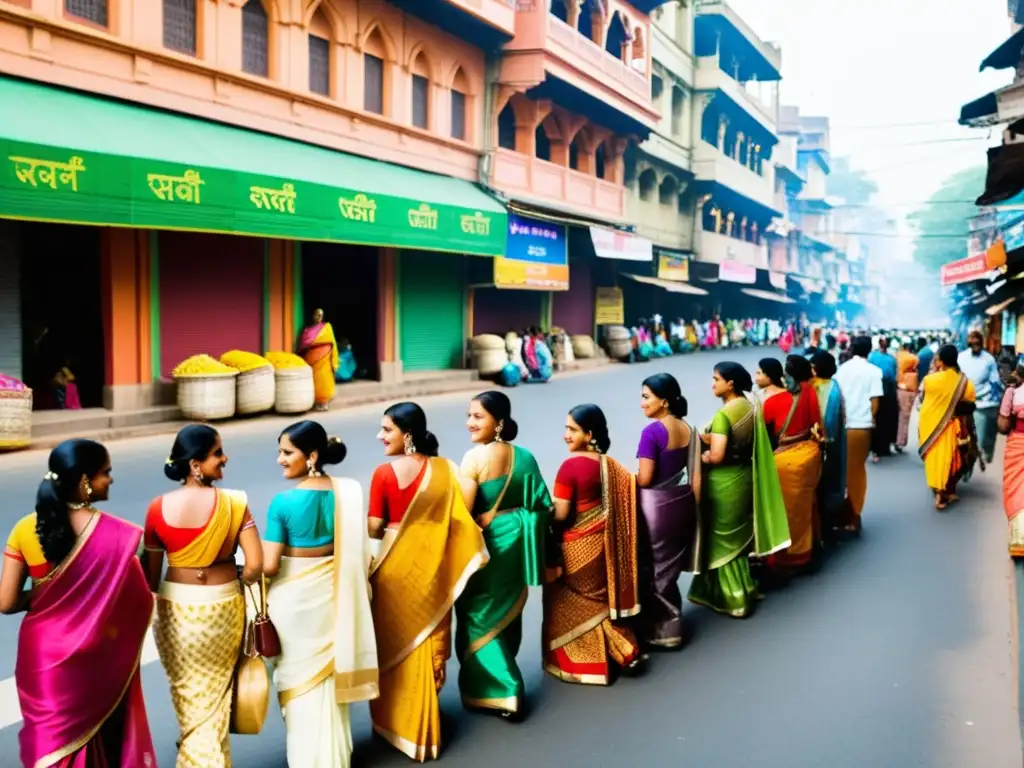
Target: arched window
{"type": "Point", "coordinates": [459, 105]}
{"type": "Point", "coordinates": [647, 185]}
{"type": "Point", "coordinates": [599, 165]}
{"type": "Point", "coordinates": [677, 110]}
{"type": "Point", "coordinates": [560, 9]}
{"type": "Point", "coordinates": [319, 40]}
{"type": "Point", "coordinates": [543, 144]}
{"type": "Point", "coordinates": [373, 73]}
{"type": "Point", "coordinates": [88, 10]}
{"type": "Point", "coordinates": [617, 37]}
{"type": "Point", "coordinates": [589, 13]}
{"type": "Point", "coordinates": [668, 191]}
{"type": "Point", "coordinates": [507, 128]}
{"type": "Point", "coordinates": [420, 91]}
{"type": "Point", "coordinates": [180, 26]}
{"type": "Point", "coordinates": [255, 39]}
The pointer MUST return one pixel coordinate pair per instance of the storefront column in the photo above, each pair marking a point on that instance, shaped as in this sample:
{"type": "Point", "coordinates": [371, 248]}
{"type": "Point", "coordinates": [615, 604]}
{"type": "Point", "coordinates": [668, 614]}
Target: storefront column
{"type": "Point", "coordinates": [387, 308]}
{"type": "Point", "coordinates": [125, 279]}
{"type": "Point", "coordinates": [278, 313]}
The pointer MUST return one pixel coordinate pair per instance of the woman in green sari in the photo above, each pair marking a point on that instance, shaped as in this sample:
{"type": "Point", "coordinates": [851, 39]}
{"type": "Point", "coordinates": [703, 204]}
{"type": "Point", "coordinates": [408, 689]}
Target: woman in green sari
{"type": "Point", "coordinates": [507, 495]}
{"type": "Point", "coordinates": [742, 501]}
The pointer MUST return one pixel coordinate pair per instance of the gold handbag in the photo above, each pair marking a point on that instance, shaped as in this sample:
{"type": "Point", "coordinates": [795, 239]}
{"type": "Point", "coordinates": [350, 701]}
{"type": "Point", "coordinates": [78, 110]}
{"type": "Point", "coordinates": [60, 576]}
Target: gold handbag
{"type": "Point", "coordinates": [251, 695]}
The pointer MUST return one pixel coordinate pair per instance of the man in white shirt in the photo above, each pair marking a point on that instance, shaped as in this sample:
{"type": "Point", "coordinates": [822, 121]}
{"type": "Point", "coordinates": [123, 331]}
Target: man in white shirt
{"type": "Point", "coordinates": [861, 385]}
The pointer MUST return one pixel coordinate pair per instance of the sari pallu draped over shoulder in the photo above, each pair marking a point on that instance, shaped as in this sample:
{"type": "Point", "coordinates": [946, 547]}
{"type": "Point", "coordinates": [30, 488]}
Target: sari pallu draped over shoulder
{"type": "Point", "coordinates": [598, 586]}
{"type": "Point", "coordinates": [832, 487]}
{"type": "Point", "coordinates": [320, 607]}
{"type": "Point", "coordinates": [77, 670]}
{"type": "Point", "coordinates": [940, 431]}
{"type": "Point", "coordinates": [319, 348]}
{"type": "Point", "coordinates": [514, 512]}
{"type": "Point", "coordinates": [420, 573]}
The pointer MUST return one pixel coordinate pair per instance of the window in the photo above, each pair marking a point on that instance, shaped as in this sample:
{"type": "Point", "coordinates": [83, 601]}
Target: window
{"type": "Point", "coordinates": [373, 84]}
{"type": "Point", "coordinates": [507, 128]}
{"type": "Point", "coordinates": [420, 98]}
{"type": "Point", "coordinates": [255, 39]}
{"type": "Point", "coordinates": [319, 65]}
{"type": "Point", "coordinates": [89, 10]}
{"type": "Point", "coordinates": [458, 115]}
{"type": "Point", "coordinates": [180, 26]}
{"type": "Point", "coordinates": [543, 144]}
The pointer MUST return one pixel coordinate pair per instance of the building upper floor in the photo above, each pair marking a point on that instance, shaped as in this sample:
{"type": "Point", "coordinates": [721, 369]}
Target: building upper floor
{"type": "Point", "coordinates": [362, 76]}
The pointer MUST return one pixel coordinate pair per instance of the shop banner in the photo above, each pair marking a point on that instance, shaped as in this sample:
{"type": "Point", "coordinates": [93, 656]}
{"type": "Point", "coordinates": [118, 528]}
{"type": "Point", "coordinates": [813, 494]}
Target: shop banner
{"type": "Point", "coordinates": [609, 307]}
{"type": "Point", "coordinates": [536, 256]}
{"type": "Point", "coordinates": [613, 244]}
{"type": "Point", "coordinates": [734, 272]}
{"type": "Point", "coordinates": [778, 280]}
{"type": "Point", "coordinates": [974, 267]}
{"type": "Point", "coordinates": [673, 268]}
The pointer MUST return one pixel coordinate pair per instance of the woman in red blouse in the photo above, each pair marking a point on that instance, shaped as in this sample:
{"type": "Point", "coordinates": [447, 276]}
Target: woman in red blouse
{"type": "Point", "coordinates": [596, 581]}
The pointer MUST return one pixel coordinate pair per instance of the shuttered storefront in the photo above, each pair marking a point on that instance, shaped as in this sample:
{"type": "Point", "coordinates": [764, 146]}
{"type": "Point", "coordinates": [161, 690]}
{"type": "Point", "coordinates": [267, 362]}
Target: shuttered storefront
{"type": "Point", "coordinates": [431, 310]}
{"type": "Point", "coordinates": [573, 310]}
{"type": "Point", "coordinates": [211, 295]}
{"type": "Point", "coordinates": [10, 300]}
{"type": "Point", "coordinates": [498, 311]}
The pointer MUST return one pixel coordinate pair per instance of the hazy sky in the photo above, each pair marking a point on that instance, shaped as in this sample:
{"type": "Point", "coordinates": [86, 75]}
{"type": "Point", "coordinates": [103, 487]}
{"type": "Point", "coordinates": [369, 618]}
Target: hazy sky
{"type": "Point", "coordinates": [873, 66]}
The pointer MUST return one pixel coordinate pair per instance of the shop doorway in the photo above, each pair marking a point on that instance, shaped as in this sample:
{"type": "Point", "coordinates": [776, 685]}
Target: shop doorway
{"type": "Point", "coordinates": [343, 281]}
{"type": "Point", "coordinates": [61, 300]}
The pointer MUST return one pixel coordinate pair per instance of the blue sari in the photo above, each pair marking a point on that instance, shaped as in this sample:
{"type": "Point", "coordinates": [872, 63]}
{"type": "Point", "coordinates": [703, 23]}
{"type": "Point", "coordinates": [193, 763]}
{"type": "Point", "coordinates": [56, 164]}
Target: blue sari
{"type": "Point", "coordinates": [832, 487]}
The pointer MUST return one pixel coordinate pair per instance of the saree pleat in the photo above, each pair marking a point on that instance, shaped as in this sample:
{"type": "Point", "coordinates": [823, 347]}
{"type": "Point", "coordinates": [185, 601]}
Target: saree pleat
{"type": "Point", "coordinates": [799, 468]}
{"type": "Point", "coordinates": [1013, 491]}
{"type": "Point", "coordinates": [198, 635]}
{"type": "Point", "coordinates": [597, 587]}
{"type": "Point", "coordinates": [437, 548]}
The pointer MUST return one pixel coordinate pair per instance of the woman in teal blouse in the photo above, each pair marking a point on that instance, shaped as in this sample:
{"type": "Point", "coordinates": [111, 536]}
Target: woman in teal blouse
{"type": "Point", "coordinates": [509, 500]}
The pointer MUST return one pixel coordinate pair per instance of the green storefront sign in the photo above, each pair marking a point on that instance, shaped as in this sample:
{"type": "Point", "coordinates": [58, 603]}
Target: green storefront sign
{"type": "Point", "coordinates": [119, 165]}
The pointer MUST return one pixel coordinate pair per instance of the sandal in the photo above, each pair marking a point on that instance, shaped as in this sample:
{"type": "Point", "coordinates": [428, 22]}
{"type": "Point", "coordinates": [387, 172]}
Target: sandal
{"type": "Point", "coordinates": [940, 503]}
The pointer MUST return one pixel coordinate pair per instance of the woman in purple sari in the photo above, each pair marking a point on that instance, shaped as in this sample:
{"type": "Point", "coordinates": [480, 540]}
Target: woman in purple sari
{"type": "Point", "coordinates": [669, 524]}
{"type": "Point", "coordinates": [88, 611]}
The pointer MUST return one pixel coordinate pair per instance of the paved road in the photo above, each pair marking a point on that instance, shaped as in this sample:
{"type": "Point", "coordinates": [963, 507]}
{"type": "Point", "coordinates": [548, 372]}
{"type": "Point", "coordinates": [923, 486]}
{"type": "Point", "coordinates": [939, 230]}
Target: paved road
{"type": "Point", "coordinates": [899, 653]}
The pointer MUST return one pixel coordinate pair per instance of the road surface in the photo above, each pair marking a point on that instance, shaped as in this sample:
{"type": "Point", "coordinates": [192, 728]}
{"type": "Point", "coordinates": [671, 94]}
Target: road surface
{"type": "Point", "coordinates": [900, 652]}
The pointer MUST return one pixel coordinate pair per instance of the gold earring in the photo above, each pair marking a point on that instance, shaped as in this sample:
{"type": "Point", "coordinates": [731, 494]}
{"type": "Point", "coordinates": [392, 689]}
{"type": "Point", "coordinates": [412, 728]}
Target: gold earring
{"type": "Point", "coordinates": [197, 474]}
{"type": "Point", "coordinates": [410, 447]}
{"type": "Point", "coordinates": [497, 431]}
{"type": "Point", "coordinates": [311, 469]}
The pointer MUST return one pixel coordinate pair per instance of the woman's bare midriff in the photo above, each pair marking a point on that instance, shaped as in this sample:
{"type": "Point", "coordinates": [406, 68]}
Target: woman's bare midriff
{"type": "Point", "coordinates": [221, 573]}
{"type": "Point", "coordinates": [322, 551]}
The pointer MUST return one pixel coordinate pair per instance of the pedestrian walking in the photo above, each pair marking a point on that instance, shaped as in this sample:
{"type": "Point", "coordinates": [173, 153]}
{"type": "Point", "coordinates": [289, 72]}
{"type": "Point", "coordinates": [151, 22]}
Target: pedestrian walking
{"type": "Point", "coordinates": [1011, 424]}
{"type": "Point", "coordinates": [200, 609]}
{"type": "Point", "coordinates": [596, 585]}
{"type": "Point", "coordinates": [87, 614]}
{"type": "Point", "coordinates": [316, 551]}
{"type": "Point", "coordinates": [887, 418]}
{"type": "Point", "coordinates": [430, 547]}
{"type": "Point", "coordinates": [832, 487]}
{"type": "Point", "coordinates": [669, 526]}
{"type": "Point", "coordinates": [981, 368]}
{"type": "Point", "coordinates": [906, 392]}
{"type": "Point", "coordinates": [861, 385]}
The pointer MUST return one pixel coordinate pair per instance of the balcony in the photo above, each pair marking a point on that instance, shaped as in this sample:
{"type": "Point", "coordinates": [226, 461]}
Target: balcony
{"type": "Point", "coordinates": [715, 248]}
{"type": "Point", "coordinates": [533, 180]}
{"type": "Point", "coordinates": [718, 27]}
{"type": "Point", "coordinates": [711, 77]}
{"type": "Point", "coordinates": [668, 151]}
{"type": "Point", "coordinates": [488, 23]}
{"type": "Point", "coordinates": [546, 47]}
{"type": "Point", "coordinates": [710, 165]}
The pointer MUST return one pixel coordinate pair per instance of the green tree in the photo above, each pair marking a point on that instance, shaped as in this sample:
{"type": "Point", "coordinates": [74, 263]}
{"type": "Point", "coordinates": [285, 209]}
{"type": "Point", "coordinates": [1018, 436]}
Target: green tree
{"type": "Point", "coordinates": [854, 187]}
{"type": "Point", "coordinates": [943, 223]}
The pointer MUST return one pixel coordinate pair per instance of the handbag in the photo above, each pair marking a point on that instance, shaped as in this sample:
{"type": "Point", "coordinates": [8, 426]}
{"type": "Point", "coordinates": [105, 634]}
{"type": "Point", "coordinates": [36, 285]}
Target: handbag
{"type": "Point", "coordinates": [250, 694]}
{"type": "Point", "coordinates": [266, 640]}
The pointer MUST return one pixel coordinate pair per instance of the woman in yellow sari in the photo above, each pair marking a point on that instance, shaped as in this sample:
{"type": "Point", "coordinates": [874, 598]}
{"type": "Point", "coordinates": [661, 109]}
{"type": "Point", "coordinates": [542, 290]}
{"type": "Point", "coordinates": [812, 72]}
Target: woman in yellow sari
{"type": "Point", "coordinates": [200, 612]}
{"type": "Point", "coordinates": [320, 349]}
{"type": "Point", "coordinates": [947, 400]}
{"type": "Point", "coordinates": [430, 547]}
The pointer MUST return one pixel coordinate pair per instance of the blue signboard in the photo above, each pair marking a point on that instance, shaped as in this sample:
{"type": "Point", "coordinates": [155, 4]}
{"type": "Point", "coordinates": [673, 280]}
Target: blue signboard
{"type": "Point", "coordinates": [538, 241]}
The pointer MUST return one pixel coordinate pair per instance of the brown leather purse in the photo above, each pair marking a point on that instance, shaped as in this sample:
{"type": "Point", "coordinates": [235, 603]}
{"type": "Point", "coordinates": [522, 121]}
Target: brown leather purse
{"type": "Point", "coordinates": [267, 642]}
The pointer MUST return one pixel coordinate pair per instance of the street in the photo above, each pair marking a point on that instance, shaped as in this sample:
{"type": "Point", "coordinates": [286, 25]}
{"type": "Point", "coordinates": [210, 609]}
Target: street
{"type": "Point", "coordinates": [900, 652]}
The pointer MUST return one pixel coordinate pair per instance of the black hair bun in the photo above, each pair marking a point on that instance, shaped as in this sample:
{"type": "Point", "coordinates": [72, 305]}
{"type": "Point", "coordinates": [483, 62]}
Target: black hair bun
{"type": "Point", "coordinates": [509, 430]}
{"type": "Point", "coordinates": [335, 452]}
{"type": "Point", "coordinates": [428, 444]}
{"type": "Point", "coordinates": [176, 470]}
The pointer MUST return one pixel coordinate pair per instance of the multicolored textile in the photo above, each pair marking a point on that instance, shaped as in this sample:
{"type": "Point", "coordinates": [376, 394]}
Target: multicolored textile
{"type": "Point", "coordinates": [320, 349]}
{"type": "Point", "coordinates": [513, 511]}
{"type": "Point", "coordinates": [941, 432]}
{"type": "Point", "coordinates": [832, 488]}
{"type": "Point", "coordinates": [77, 668]}
{"type": "Point", "coordinates": [598, 582]}
{"type": "Point", "coordinates": [23, 545]}
{"type": "Point", "coordinates": [214, 542]}
{"type": "Point", "coordinates": [420, 573]}
{"type": "Point", "coordinates": [1012, 408]}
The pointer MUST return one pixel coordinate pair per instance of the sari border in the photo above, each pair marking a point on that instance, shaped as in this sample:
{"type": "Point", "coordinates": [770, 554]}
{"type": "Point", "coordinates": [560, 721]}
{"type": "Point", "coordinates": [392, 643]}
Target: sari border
{"type": "Point", "coordinates": [581, 629]}
{"type": "Point", "coordinates": [571, 677]}
{"type": "Point", "coordinates": [726, 559]}
{"type": "Point", "coordinates": [424, 483]}
{"type": "Point", "coordinates": [488, 517]}
{"type": "Point", "coordinates": [327, 563]}
{"type": "Point", "coordinates": [80, 541]}
{"type": "Point", "coordinates": [412, 750]}
{"type": "Point", "coordinates": [507, 704]}
{"type": "Point", "coordinates": [283, 697]}
{"type": "Point", "coordinates": [947, 417]}
{"type": "Point", "coordinates": [501, 624]}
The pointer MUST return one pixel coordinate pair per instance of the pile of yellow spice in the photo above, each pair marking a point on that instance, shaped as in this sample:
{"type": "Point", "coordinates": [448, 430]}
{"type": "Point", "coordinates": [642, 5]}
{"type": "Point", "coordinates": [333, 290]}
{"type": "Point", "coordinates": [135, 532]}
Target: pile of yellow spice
{"type": "Point", "coordinates": [201, 365]}
{"type": "Point", "coordinates": [285, 360]}
{"type": "Point", "coordinates": [244, 361]}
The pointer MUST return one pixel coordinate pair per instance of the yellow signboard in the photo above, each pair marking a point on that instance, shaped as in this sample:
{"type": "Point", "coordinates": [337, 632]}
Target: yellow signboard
{"type": "Point", "coordinates": [609, 307]}
{"type": "Point", "coordinates": [530, 275]}
{"type": "Point", "coordinates": [673, 268]}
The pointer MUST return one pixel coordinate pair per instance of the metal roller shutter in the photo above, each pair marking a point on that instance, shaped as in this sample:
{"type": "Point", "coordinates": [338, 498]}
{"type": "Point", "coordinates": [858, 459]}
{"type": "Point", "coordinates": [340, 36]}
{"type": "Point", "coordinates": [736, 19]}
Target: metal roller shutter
{"type": "Point", "coordinates": [432, 310]}
{"type": "Point", "coordinates": [10, 300]}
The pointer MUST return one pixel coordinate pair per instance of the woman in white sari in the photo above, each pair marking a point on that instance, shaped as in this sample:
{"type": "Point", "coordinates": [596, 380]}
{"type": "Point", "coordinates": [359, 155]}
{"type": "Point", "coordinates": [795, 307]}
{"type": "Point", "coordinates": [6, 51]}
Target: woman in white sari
{"type": "Point", "coordinates": [316, 550]}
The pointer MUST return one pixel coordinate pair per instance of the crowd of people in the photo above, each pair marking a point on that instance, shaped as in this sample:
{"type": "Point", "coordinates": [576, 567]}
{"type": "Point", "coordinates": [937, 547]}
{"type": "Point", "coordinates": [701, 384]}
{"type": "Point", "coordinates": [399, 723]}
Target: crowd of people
{"type": "Point", "coordinates": [350, 603]}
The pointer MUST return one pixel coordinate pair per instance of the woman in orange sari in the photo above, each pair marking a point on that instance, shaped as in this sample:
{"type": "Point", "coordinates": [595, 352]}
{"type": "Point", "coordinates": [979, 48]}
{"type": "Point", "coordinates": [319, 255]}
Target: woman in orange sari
{"type": "Point", "coordinates": [906, 393]}
{"type": "Point", "coordinates": [596, 583]}
{"type": "Point", "coordinates": [320, 349]}
{"type": "Point", "coordinates": [793, 418]}
{"type": "Point", "coordinates": [430, 546]}
{"type": "Point", "coordinates": [947, 401]}
{"type": "Point", "coordinates": [200, 612]}
{"type": "Point", "coordinates": [1011, 424]}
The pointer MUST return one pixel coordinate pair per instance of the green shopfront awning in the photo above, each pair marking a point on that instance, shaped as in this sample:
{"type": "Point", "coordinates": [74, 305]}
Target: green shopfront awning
{"type": "Point", "coordinates": [69, 157]}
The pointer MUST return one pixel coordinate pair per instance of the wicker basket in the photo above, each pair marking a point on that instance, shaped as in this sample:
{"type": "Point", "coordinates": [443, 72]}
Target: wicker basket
{"type": "Point", "coordinates": [293, 390]}
{"type": "Point", "coordinates": [255, 391]}
{"type": "Point", "coordinates": [489, 354]}
{"type": "Point", "coordinates": [15, 419]}
{"type": "Point", "coordinates": [205, 398]}
{"type": "Point", "coordinates": [583, 347]}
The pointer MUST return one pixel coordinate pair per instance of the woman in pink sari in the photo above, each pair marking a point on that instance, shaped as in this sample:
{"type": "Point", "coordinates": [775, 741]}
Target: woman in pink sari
{"type": "Point", "coordinates": [89, 608]}
{"type": "Point", "coordinates": [320, 349]}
